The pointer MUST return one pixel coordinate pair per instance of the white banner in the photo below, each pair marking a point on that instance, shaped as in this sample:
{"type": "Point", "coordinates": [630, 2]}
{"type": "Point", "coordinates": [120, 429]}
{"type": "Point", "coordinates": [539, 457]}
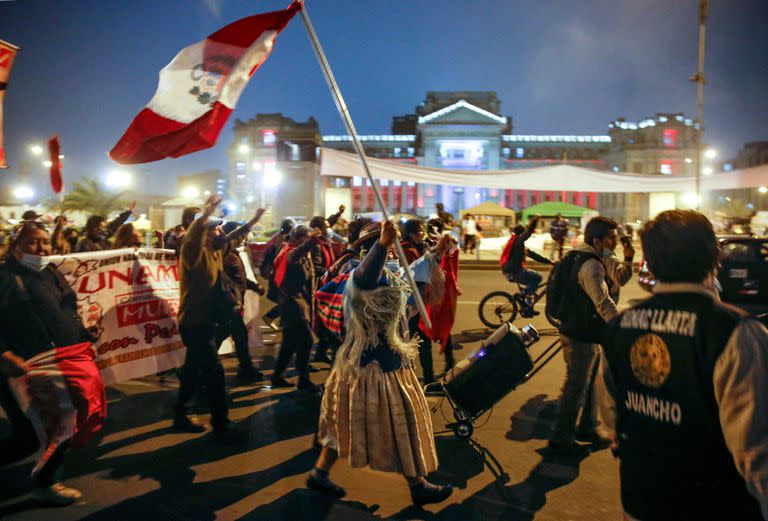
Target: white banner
{"type": "Point", "coordinates": [130, 298]}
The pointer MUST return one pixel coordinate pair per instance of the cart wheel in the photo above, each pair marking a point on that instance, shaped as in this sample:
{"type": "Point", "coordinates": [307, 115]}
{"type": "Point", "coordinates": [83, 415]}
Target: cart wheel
{"type": "Point", "coordinates": [463, 430]}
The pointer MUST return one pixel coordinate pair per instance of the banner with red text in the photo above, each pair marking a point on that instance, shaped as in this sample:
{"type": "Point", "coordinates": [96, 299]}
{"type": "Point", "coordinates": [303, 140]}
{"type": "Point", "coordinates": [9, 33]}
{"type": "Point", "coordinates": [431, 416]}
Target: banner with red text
{"type": "Point", "coordinates": [129, 299]}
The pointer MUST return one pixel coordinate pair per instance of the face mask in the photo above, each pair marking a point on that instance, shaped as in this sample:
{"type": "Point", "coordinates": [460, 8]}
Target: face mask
{"type": "Point", "coordinates": [606, 253]}
{"type": "Point", "coordinates": [34, 262]}
{"type": "Point", "coordinates": [329, 233]}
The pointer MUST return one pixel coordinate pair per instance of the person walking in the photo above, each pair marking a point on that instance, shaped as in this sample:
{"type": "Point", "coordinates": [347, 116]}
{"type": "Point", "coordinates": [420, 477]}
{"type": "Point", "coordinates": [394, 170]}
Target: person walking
{"type": "Point", "coordinates": [374, 412]}
{"type": "Point", "coordinates": [558, 231]}
{"type": "Point", "coordinates": [590, 297]}
{"type": "Point", "coordinates": [203, 305]}
{"type": "Point", "coordinates": [38, 312]}
{"type": "Point", "coordinates": [469, 233]}
{"type": "Point", "coordinates": [689, 377]}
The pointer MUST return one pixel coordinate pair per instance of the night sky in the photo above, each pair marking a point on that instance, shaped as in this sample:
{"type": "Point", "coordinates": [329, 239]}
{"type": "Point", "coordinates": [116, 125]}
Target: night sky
{"type": "Point", "coordinates": [87, 67]}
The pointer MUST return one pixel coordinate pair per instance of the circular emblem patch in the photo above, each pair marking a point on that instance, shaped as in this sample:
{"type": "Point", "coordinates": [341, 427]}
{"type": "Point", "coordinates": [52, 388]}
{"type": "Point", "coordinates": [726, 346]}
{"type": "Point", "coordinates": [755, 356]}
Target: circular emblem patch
{"type": "Point", "coordinates": [650, 360]}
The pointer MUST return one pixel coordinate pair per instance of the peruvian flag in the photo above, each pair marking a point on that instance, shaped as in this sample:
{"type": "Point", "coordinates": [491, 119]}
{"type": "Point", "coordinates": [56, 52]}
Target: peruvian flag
{"type": "Point", "coordinates": [443, 314]}
{"type": "Point", "coordinates": [63, 396]}
{"type": "Point", "coordinates": [54, 156]}
{"type": "Point", "coordinates": [199, 89]}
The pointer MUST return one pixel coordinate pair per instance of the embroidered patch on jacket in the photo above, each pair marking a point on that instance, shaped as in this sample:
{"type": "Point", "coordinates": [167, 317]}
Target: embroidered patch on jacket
{"type": "Point", "coordinates": [650, 360]}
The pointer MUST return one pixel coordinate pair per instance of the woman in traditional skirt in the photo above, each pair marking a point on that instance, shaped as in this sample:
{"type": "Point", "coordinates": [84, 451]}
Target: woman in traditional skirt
{"type": "Point", "coordinates": [374, 412]}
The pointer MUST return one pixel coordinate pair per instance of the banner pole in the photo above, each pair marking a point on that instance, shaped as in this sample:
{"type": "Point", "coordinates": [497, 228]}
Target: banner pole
{"type": "Point", "coordinates": [341, 106]}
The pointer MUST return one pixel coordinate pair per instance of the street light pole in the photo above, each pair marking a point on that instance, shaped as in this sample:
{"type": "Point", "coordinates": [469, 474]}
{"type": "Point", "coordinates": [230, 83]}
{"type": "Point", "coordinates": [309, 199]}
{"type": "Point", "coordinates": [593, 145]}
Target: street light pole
{"type": "Point", "coordinates": [699, 79]}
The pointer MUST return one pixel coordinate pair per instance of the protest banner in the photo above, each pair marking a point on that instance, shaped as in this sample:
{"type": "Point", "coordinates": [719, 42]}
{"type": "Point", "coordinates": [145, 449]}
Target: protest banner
{"type": "Point", "coordinates": [129, 300]}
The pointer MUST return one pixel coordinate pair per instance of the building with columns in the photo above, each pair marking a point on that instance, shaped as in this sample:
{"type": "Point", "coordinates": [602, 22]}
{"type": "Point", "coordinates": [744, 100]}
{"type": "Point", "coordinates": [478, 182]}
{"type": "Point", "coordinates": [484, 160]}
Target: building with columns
{"type": "Point", "coordinates": [274, 159]}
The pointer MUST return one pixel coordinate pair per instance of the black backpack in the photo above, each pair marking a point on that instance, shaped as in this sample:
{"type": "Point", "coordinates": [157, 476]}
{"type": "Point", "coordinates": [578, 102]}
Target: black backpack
{"type": "Point", "coordinates": [562, 275]}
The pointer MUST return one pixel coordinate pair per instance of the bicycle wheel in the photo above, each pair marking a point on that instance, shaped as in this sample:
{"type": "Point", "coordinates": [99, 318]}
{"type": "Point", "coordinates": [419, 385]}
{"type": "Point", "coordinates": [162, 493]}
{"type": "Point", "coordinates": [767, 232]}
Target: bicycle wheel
{"type": "Point", "coordinates": [496, 308]}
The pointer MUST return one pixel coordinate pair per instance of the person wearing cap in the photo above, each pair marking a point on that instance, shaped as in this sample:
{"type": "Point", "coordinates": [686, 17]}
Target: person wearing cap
{"type": "Point", "coordinates": [294, 279]}
{"type": "Point", "coordinates": [98, 231]}
{"type": "Point", "coordinates": [267, 270]}
{"type": "Point", "coordinates": [236, 283]}
{"type": "Point", "coordinates": [203, 305]}
{"type": "Point", "coordinates": [38, 310]}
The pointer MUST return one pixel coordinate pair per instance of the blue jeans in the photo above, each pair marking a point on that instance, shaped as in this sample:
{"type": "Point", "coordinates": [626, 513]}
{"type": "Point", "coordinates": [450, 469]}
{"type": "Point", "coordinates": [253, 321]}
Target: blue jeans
{"type": "Point", "coordinates": [530, 278]}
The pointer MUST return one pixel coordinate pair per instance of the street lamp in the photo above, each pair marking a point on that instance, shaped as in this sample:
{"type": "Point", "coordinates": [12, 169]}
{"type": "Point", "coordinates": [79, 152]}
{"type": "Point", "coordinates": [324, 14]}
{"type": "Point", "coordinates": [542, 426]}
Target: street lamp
{"type": "Point", "coordinates": [23, 193]}
{"type": "Point", "coordinates": [118, 179]}
{"type": "Point", "coordinates": [763, 189]}
{"type": "Point", "coordinates": [36, 150]}
{"type": "Point", "coordinates": [706, 171]}
{"type": "Point", "coordinates": [243, 149]}
{"type": "Point", "coordinates": [190, 192]}
{"type": "Point", "coordinates": [711, 153]}
{"type": "Point", "coordinates": [47, 163]}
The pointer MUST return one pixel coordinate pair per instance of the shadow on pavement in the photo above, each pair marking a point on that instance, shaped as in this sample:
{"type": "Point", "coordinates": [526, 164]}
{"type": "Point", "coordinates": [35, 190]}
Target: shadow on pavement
{"type": "Point", "coordinates": [534, 420]}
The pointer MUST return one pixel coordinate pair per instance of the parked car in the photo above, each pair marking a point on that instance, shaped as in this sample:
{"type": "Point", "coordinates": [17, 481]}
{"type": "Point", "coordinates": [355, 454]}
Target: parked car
{"type": "Point", "coordinates": [743, 275]}
{"type": "Point", "coordinates": [744, 271]}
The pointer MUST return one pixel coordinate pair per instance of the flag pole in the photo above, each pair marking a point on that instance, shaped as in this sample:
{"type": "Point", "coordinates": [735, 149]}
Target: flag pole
{"type": "Point", "coordinates": [347, 118]}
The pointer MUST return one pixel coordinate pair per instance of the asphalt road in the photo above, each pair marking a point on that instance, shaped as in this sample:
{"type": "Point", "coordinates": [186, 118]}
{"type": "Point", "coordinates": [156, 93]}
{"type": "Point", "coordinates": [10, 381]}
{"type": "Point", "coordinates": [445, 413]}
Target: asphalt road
{"type": "Point", "coordinates": [141, 469]}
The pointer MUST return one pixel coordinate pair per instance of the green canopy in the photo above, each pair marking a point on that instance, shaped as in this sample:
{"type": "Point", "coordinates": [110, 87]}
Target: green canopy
{"type": "Point", "coordinates": [552, 208]}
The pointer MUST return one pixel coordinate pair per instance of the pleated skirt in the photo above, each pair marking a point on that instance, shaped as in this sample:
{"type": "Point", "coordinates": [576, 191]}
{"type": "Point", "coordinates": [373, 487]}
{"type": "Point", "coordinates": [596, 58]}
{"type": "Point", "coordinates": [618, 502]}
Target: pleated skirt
{"type": "Point", "coordinates": [379, 419]}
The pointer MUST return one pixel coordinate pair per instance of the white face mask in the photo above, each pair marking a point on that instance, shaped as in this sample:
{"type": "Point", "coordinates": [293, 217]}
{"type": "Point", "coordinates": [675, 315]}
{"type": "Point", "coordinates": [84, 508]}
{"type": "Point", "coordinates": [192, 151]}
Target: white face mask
{"type": "Point", "coordinates": [34, 262]}
{"type": "Point", "coordinates": [606, 253]}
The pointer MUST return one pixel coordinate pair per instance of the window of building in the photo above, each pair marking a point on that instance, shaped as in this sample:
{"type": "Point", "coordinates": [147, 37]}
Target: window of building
{"type": "Point", "coordinates": [397, 151]}
{"type": "Point", "coordinates": [240, 167]}
{"type": "Point", "coordinates": [669, 137]}
{"type": "Point", "coordinates": [665, 167]}
{"type": "Point", "coordinates": [411, 151]}
{"type": "Point", "coordinates": [727, 167]}
{"type": "Point", "coordinates": [269, 137]}
{"type": "Point", "coordinates": [397, 183]}
{"type": "Point", "coordinates": [519, 152]}
{"type": "Point", "coordinates": [411, 183]}
{"type": "Point", "coordinates": [505, 151]}
{"type": "Point", "coordinates": [357, 181]}
{"type": "Point", "coordinates": [383, 182]}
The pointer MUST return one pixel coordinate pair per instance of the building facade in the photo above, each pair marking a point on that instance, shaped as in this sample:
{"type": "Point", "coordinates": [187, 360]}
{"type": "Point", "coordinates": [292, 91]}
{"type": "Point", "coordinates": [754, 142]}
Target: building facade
{"type": "Point", "coordinates": [275, 159]}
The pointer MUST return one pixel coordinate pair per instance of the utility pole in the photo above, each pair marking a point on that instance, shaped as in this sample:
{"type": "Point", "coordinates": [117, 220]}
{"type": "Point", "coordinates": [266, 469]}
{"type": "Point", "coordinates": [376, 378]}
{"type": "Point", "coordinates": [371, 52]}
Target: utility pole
{"type": "Point", "coordinates": [699, 79]}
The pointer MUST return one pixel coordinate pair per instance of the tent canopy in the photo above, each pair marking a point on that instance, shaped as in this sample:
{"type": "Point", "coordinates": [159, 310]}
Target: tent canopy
{"type": "Point", "coordinates": [552, 208]}
{"type": "Point", "coordinates": [559, 178]}
{"type": "Point", "coordinates": [489, 208]}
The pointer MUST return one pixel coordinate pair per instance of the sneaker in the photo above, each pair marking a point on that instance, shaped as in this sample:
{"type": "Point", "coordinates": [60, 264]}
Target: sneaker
{"type": "Point", "coordinates": [426, 493]}
{"type": "Point", "coordinates": [185, 423]}
{"type": "Point", "coordinates": [278, 382]}
{"type": "Point", "coordinates": [56, 495]}
{"type": "Point", "coordinates": [324, 485]}
{"type": "Point", "coordinates": [596, 441]}
{"type": "Point", "coordinates": [270, 323]}
{"type": "Point", "coordinates": [229, 436]}
{"type": "Point", "coordinates": [249, 374]}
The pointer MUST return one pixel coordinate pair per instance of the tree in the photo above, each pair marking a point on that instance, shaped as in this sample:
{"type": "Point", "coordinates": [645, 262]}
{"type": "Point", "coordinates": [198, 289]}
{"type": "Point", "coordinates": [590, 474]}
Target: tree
{"type": "Point", "coordinates": [90, 197]}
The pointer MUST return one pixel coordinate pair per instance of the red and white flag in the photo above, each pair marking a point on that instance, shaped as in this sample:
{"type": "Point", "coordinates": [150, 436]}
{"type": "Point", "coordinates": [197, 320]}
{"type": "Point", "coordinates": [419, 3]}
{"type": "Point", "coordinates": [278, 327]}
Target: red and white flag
{"type": "Point", "coordinates": [199, 89]}
{"type": "Point", "coordinates": [54, 156]}
{"type": "Point", "coordinates": [63, 396]}
{"type": "Point", "coordinates": [7, 54]}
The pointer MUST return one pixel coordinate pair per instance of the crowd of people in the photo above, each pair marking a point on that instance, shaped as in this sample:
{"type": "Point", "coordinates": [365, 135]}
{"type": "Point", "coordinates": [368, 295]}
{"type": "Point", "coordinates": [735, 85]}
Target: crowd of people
{"type": "Point", "coordinates": [675, 385]}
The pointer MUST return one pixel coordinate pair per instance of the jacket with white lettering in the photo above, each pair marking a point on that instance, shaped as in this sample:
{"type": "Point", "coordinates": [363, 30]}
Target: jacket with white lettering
{"type": "Point", "coordinates": [674, 460]}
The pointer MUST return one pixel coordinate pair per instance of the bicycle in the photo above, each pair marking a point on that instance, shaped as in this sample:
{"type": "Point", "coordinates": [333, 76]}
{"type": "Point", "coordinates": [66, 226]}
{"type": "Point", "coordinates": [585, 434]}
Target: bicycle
{"type": "Point", "coordinates": [499, 307]}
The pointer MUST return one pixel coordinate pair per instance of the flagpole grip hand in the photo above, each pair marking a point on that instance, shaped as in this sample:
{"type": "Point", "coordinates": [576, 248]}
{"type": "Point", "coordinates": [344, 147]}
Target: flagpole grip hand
{"type": "Point", "coordinates": [12, 366]}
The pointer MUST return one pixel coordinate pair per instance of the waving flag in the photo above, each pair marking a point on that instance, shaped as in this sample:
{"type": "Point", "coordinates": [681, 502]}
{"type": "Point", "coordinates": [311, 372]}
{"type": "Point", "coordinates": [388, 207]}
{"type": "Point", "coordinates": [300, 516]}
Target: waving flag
{"type": "Point", "coordinates": [7, 54]}
{"type": "Point", "coordinates": [199, 89]}
{"type": "Point", "coordinates": [63, 396]}
{"type": "Point", "coordinates": [54, 156]}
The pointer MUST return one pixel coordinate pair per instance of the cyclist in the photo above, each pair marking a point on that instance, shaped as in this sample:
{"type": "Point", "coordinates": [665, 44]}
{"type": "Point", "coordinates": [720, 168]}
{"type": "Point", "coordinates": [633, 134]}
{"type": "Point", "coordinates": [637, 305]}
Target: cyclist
{"type": "Point", "coordinates": [512, 263]}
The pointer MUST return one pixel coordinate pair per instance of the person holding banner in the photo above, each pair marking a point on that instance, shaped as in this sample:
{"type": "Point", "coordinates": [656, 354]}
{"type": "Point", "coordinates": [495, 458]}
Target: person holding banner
{"type": "Point", "coordinates": [38, 315]}
{"type": "Point", "coordinates": [203, 305]}
{"type": "Point", "coordinates": [374, 412]}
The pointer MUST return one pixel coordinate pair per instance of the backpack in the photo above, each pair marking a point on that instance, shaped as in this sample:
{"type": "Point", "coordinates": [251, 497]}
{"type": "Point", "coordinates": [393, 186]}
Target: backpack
{"type": "Point", "coordinates": [561, 276]}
